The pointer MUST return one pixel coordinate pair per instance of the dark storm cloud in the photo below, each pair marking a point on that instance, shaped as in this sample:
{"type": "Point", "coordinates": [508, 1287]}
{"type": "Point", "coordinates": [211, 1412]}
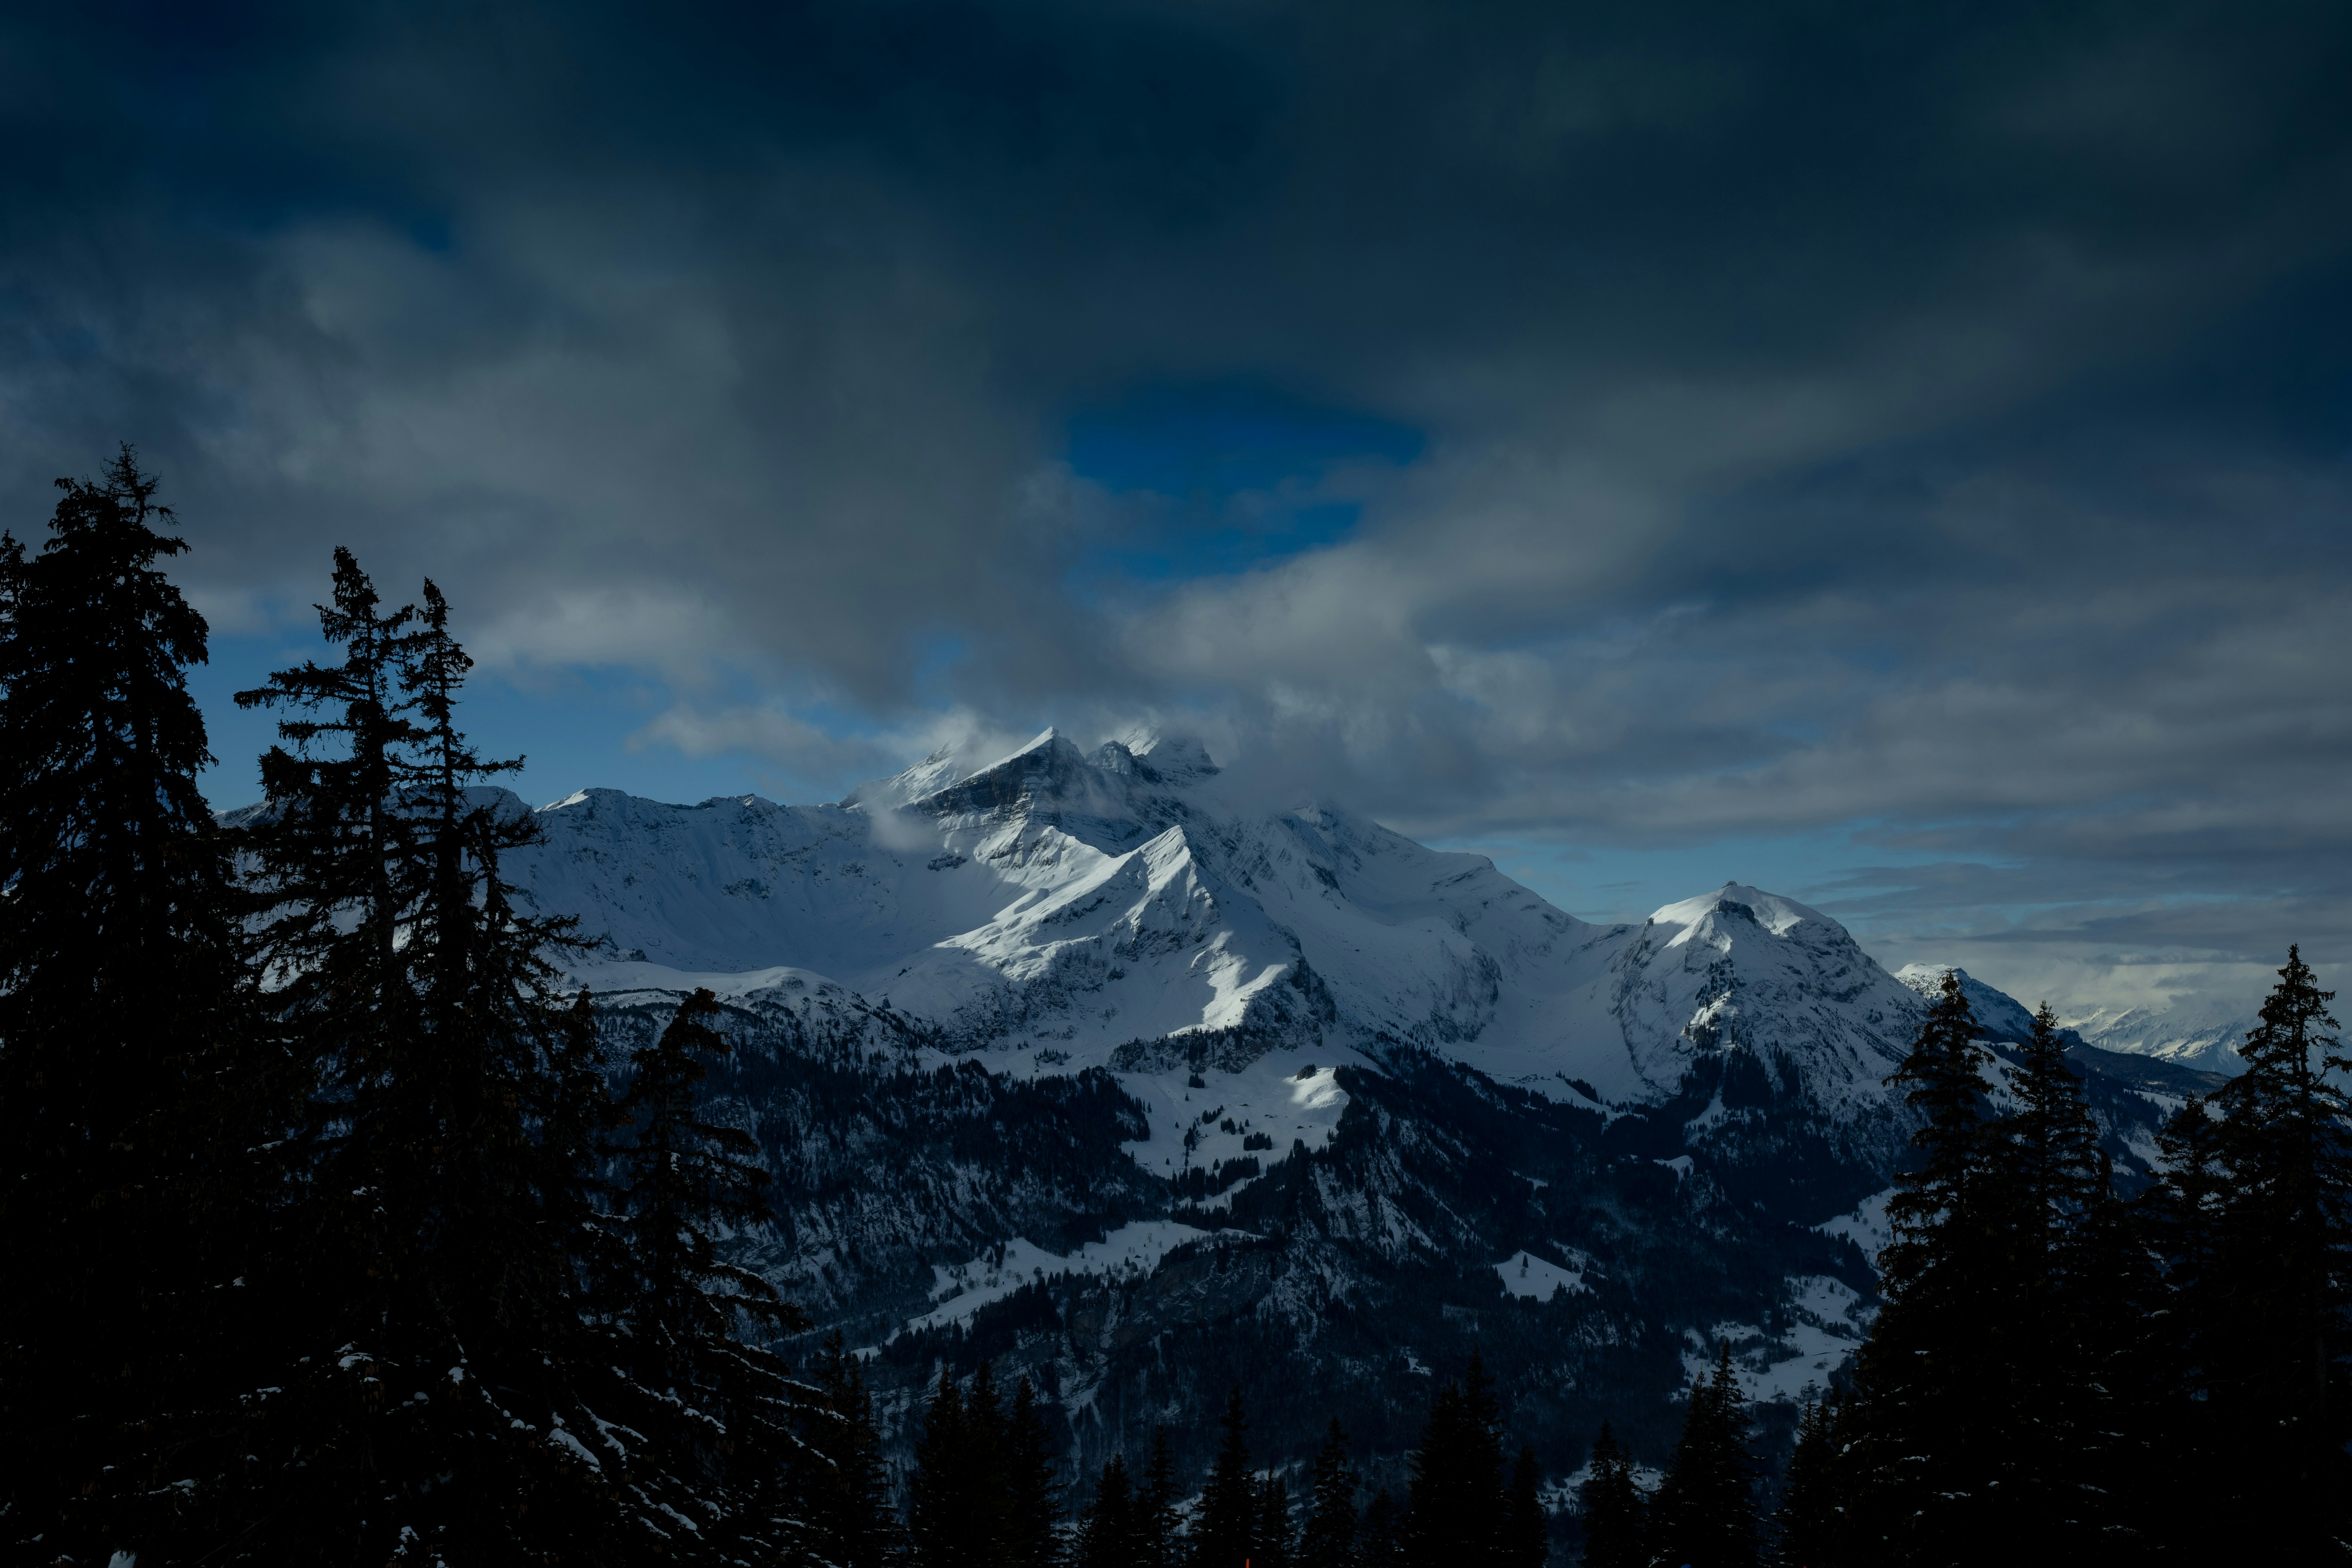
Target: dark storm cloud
{"type": "Point", "coordinates": [1935, 419]}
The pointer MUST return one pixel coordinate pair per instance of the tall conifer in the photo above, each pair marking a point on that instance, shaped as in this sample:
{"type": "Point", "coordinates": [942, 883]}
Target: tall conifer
{"type": "Point", "coordinates": [1224, 1533]}
{"type": "Point", "coordinates": [1383, 1536]}
{"type": "Point", "coordinates": [678, 1314]}
{"type": "Point", "coordinates": [1034, 1538]}
{"type": "Point", "coordinates": [1806, 1527]}
{"type": "Point", "coordinates": [1329, 1540]}
{"type": "Point", "coordinates": [961, 1492]}
{"type": "Point", "coordinates": [443, 1391]}
{"type": "Point", "coordinates": [2057, 1300]}
{"type": "Point", "coordinates": [1457, 1481]}
{"type": "Point", "coordinates": [1525, 1535]}
{"type": "Point", "coordinates": [1933, 1398]}
{"type": "Point", "coordinates": [1107, 1531]}
{"type": "Point", "coordinates": [134, 1080]}
{"type": "Point", "coordinates": [1158, 1540]}
{"type": "Point", "coordinates": [844, 1486]}
{"type": "Point", "coordinates": [1704, 1514]}
{"type": "Point", "coordinates": [1276, 1537]}
{"type": "Point", "coordinates": [2280, 1283]}
{"type": "Point", "coordinates": [1616, 1513]}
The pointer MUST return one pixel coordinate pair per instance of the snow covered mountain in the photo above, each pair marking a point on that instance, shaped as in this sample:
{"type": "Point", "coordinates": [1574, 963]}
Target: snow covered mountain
{"type": "Point", "coordinates": [1083, 1062]}
{"type": "Point", "coordinates": [2193, 1032]}
{"type": "Point", "coordinates": [1076, 903]}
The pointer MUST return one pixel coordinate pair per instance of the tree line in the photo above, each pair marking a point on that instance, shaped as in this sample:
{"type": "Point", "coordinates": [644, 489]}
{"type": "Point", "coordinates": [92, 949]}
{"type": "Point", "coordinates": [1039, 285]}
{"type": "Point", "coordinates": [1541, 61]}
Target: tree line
{"type": "Point", "coordinates": [335, 1236]}
{"type": "Point", "coordinates": [2054, 1368]}
{"type": "Point", "coordinates": [332, 1238]}
{"type": "Point", "coordinates": [985, 1495]}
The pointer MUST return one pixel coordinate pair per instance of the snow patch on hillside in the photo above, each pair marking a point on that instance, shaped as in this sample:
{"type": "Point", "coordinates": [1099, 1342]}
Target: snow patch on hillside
{"type": "Point", "coordinates": [1825, 1322]}
{"type": "Point", "coordinates": [1866, 1226]}
{"type": "Point", "coordinates": [1537, 1280]}
{"type": "Point", "coordinates": [1260, 1110]}
{"type": "Point", "coordinates": [1131, 1251]}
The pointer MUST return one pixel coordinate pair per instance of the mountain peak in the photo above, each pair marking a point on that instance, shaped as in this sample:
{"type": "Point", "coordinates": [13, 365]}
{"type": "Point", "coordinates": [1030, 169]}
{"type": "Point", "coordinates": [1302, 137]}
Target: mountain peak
{"type": "Point", "coordinates": [1169, 756]}
{"type": "Point", "coordinates": [1774, 914]}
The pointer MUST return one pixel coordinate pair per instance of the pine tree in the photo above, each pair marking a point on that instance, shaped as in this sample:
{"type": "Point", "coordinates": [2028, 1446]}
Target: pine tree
{"type": "Point", "coordinates": [961, 1492]}
{"type": "Point", "coordinates": [1108, 1536]}
{"type": "Point", "coordinates": [844, 1485]}
{"type": "Point", "coordinates": [1276, 1538]}
{"type": "Point", "coordinates": [1381, 1537]}
{"type": "Point", "coordinates": [2050, 1164]}
{"type": "Point", "coordinates": [1035, 1537]}
{"type": "Point", "coordinates": [443, 1387]}
{"type": "Point", "coordinates": [1158, 1541]}
{"type": "Point", "coordinates": [1224, 1533]}
{"type": "Point", "coordinates": [1704, 1514]}
{"type": "Point", "coordinates": [134, 1076]}
{"type": "Point", "coordinates": [1807, 1524]}
{"type": "Point", "coordinates": [1457, 1485]}
{"type": "Point", "coordinates": [1330, 1539]}
{"type": "Point", "coordinates": [2115, 1380]}
{"type": "Point", "coordinates": [2181, 1216]}
{"type": "Point", "coordinates": [1527, 1528]}
{"type": "Point", "coordinates": [1934, 1398]}
{"type": "Point", "coordinates": [2189, 1325]}
{"type": "Point", "coordinates": [677, 1313]}
{"type": "Point", "coordinates": [2040, 1367]}
{"type": "Point", "coordinates": [1616, 1517]}
{"type": "Point", "coordinates": [2285, 1138]}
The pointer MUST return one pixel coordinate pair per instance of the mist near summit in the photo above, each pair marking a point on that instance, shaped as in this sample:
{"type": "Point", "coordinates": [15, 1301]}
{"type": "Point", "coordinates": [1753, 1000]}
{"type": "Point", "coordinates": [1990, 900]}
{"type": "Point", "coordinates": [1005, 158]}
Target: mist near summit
{"type": "Point", "coordinates": [1904, 465]}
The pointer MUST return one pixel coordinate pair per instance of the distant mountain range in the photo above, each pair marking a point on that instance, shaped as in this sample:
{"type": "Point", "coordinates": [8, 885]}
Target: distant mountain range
{"type": "Point", "coordinates": [1075, 1061]}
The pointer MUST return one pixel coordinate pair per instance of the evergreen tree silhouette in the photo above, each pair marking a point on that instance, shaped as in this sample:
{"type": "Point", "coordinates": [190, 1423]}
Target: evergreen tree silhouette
{"type": "Point", "coordinates": [1526, 1534]}
{"type": "Point", "coordinates": [1705, 1513]}
{"type": "Point", "coordinates": [2181, 1220]}
{"type": "Point", "coordinates": [961, 1490]}
{"type": "Point", "coordinates": [1616, 1516]}
{"type": "Point", "coordinates": [1807, 1525]}
{"type": "Point", "coordinates": [1329, 1540]}
{"type": "Point", "coordinates": [2280, 1283]}
{"type": "Point", "coordinates": [844, 1485]}
{"type": "Point", "coordinates": [1934, 1398]}
{"type": "Point", "coordinates": [1158, 1543]}
{"type": "Point", "coordinates": [457, 1106]}
{"type": "Point", "coordinates": [2040, 1371]}
{"type": "Point", "coordinates": [1108, 1533]}
{"type": "Point", "coordinates": [1457, 1482]}
{"type": "Point", "coordinates": [1225, 1531]}
{"type": "Point", "coordinates": [135, 1084]}
{"type": "Point", "coordinates": [1382, 1534]}
{"type": "Point", "coordinates": [1034, 1538]}
{"type": "Point", "coordinates": [1276, 1539]}
{"type": "Point", "coordinates": [727, 1409]}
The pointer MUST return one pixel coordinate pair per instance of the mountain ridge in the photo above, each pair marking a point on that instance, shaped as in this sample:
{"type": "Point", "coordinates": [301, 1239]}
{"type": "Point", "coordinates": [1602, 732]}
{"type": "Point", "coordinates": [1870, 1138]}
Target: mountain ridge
{"type": "Point", "coordinates": [1081, 1063]}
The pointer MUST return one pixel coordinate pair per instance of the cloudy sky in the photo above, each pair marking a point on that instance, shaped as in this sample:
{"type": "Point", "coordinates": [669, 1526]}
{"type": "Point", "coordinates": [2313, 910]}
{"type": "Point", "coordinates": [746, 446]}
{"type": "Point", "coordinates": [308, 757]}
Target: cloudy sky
{"type": "Point", "coordinates": [1898, 455]}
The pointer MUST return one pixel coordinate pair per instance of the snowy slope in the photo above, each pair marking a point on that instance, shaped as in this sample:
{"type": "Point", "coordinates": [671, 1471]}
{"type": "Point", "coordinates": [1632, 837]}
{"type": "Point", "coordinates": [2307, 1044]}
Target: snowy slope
{"type": "Point", "coordinates": [1075, 903]}
{"type": "Point", "coordinates": [2192, 1032]}
{"type": "Point", "coordinates": [1744, 970]}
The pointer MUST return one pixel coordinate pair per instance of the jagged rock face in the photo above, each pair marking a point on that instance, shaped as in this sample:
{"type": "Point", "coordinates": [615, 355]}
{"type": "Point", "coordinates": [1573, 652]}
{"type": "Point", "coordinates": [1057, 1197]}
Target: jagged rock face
{"type": "Point", "coordinates": [1077, 1061]}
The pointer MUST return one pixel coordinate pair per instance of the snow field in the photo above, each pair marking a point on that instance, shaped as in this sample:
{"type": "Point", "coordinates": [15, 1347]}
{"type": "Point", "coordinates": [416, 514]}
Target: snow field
{"type": "Point", "coordinates": [1828, 1322]}
{"type": "Point", "coordinates": [1285, 1095]}
{"type": "Point", "coordinates": [1132, 1251]}
{"type": "Point", "coordinates": [1535, 1278]}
